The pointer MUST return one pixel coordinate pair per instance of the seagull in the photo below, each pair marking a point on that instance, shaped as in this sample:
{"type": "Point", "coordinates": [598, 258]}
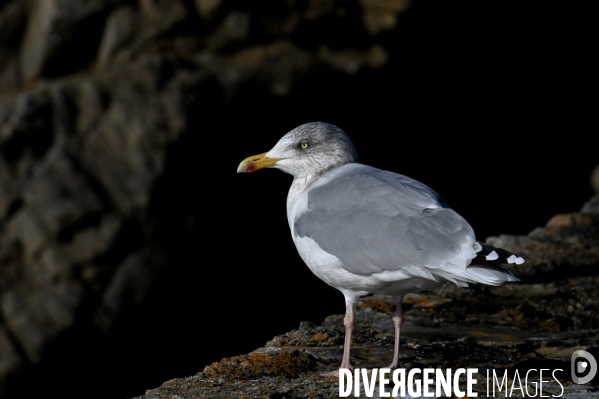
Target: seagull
{"type": "Point", "coordinates": [364, 230]}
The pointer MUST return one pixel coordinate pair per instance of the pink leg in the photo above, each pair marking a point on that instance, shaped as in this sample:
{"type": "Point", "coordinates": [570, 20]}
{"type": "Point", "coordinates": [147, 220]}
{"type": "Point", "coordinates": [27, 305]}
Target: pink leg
{"type": "Point", "coordinates": [349, 321]}
{"type": "Point", "coordinates": [397, 322]}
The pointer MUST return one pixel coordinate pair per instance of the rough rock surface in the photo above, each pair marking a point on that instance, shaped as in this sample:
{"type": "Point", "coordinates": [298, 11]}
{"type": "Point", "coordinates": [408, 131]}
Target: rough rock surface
{"type": "Point", "coordinates": [534, 324]}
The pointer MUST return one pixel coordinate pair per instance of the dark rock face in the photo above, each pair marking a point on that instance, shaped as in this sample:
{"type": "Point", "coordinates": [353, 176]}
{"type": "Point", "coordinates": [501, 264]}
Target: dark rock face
{"type": "Point", "coordinates": [534, 324]}
{"type": "Point", "coordinates": [97, 99]}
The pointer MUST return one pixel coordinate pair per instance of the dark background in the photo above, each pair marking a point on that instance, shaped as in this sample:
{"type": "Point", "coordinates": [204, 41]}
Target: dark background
{"type": "Point", "coordinates": [485, 102]}
{"type": "Point", "coordinates": [488, 103]}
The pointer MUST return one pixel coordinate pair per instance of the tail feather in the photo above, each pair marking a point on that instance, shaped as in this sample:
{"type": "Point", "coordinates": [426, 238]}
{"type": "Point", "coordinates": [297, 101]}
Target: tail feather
{"type": "Point", "coordinates": [496, 255]}
{"type": "Point", "coordinates": [490, 273]}
{"type": "Point", "coordinates": [487, 266]}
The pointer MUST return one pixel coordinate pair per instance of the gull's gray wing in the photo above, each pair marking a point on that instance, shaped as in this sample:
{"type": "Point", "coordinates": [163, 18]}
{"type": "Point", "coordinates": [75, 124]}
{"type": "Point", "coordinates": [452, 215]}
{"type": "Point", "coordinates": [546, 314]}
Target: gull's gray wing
{"type": "Point", "coordinates": [374, 220]}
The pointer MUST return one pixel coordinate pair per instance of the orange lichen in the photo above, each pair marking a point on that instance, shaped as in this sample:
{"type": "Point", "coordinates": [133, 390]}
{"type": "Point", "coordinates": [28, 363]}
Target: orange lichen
{"type": "Point", "coordinates": [376, 304]}
{"type": "Point", "coordinates": [570, 219]}
{"type": "Point", "coordinates": [256, 365]}
{"type": "Point", "coordinates": [317, 338]}
{"type": "Point", "coordinates": [550, 325]}
{"type": "Point", "coordinates": [425, 301]}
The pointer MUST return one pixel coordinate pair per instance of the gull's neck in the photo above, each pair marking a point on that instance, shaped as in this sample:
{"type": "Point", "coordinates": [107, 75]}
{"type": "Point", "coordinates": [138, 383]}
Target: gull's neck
{"type": "Point", "coordinates": [295, 196]}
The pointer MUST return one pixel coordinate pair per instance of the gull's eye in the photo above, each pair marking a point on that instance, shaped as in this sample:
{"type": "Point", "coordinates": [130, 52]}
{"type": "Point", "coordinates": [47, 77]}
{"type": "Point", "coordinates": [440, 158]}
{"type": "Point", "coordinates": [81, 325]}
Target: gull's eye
{"type": "Point", "coordinates": [304, 145]}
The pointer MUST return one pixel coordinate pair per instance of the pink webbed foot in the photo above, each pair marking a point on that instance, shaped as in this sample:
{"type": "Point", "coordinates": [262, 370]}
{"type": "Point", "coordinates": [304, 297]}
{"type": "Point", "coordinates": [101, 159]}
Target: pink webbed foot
{"type": "Point", "coordinates": [394, 365]}
{"type": "Point", "coordinates": [335, 373]}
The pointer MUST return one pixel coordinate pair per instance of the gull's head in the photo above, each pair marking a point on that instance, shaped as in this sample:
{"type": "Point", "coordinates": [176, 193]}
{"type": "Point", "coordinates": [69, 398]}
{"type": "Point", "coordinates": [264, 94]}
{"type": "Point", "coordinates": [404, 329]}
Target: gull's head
{"type": "Point", "coordinates": [309, 149]}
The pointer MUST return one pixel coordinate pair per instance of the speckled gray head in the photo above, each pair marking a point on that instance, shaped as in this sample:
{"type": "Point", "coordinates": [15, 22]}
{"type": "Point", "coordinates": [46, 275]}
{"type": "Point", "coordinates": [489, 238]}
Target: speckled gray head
{"type": "Point", "coordinates": [309, 149]}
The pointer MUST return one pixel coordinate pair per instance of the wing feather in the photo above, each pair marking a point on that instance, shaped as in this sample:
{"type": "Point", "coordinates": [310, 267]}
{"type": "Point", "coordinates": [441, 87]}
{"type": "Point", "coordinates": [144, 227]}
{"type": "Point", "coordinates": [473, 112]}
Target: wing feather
{"type": "Point", "coordinates": [375, 220]}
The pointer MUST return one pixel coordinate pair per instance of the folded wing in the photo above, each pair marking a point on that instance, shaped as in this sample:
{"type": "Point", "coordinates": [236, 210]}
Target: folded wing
{"type": "Point", "coordinates": [374, 221]}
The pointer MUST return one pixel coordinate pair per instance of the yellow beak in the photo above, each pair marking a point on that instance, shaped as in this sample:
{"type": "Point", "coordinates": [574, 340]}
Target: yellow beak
{"type": "Point", "coordinates": [255, 162]}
